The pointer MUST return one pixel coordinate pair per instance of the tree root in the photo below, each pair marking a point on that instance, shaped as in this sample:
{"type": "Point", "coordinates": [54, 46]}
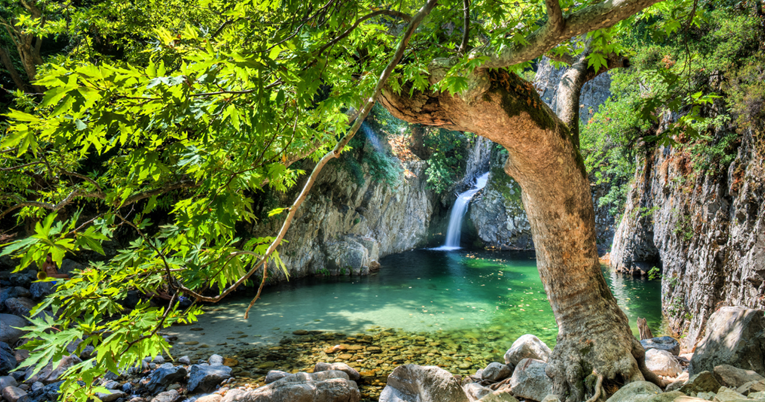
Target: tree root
{"type": "Point", "coordinates": [598, 388]}
{"type": "Point", "coordinates": [639, 354]}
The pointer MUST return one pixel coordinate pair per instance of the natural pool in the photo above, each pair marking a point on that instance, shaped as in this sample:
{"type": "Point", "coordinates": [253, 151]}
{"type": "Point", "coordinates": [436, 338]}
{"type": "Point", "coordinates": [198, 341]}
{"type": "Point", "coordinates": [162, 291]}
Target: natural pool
{"type": "Point", "coordinates": [469, 294]}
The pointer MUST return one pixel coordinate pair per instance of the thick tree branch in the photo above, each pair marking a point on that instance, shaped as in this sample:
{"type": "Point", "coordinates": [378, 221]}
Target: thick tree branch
{"type": "Point", "coordinates": [5, 58]}
{"type": "Point", "coordinates": [570, 88]}
{"type": "Point", "coordinates": [466, 26]}
{"type": "Point", "coordinates": [554, 14]}
{"type": "Point", "coordinates": [602, 15]}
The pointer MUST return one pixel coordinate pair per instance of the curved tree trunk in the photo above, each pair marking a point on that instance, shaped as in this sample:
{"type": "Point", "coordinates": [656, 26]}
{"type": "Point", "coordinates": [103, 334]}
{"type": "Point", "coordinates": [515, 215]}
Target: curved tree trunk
{"type": "Point", "coordinates": [594, 333]}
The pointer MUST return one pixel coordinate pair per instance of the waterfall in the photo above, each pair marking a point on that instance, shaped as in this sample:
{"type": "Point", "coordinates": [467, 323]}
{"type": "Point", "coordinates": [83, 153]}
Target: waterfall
{"type": "Point", "coordinates": [458, 212]}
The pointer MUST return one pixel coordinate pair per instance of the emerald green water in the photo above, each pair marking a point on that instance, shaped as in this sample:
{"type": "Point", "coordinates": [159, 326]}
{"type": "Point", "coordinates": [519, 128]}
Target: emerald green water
{"type": "Point", "coordinates": [468, 294]}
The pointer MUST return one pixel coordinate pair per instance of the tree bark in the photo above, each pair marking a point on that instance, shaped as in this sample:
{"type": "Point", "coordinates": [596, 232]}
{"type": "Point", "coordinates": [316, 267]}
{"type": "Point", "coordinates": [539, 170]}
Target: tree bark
{"type": "Point", "coordinates": [594, 333]}
{"type": "Point", "coordinates": [5, 58]}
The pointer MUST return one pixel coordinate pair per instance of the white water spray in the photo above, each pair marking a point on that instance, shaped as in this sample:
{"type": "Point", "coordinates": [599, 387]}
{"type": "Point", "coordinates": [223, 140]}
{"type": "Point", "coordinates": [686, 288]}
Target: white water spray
{"type": "Point", "coordinates": [458, 212]}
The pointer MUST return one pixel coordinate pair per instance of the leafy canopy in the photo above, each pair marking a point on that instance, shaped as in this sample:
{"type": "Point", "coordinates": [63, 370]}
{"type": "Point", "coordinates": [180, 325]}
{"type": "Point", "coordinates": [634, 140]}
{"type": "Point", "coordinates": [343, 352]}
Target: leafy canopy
{"type": "Point", "coordinates": [163, 119]}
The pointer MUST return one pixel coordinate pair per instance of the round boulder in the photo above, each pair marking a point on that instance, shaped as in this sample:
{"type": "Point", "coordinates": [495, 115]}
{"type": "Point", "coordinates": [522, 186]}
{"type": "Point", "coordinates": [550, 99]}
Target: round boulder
{"type": "Point", "coordinates": [527, 347]}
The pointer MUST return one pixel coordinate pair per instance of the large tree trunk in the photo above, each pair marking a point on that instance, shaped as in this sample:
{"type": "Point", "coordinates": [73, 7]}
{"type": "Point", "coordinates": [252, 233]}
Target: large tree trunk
{"type": "Point", "coordinates": [594, 333]}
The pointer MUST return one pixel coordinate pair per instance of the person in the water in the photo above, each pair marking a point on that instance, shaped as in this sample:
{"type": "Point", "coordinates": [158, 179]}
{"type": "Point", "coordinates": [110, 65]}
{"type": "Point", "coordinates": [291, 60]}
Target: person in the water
{"type": "Point", "coordinates": [50, 270]}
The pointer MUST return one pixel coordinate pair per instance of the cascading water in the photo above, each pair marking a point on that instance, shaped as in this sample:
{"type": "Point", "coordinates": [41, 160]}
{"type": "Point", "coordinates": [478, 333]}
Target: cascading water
{"type": "Point", "coordinates": [458, 212]}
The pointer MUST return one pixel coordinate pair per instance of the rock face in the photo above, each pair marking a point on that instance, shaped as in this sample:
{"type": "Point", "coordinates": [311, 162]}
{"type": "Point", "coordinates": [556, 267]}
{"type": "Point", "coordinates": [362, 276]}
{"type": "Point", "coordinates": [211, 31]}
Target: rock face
{"type": "Point", "coordinates": [527, 346]}
{"type": "Point", "coordinates": [530, 381]}
{"type": "Point", "coordinates": [706, 228]}
{"type": "Point", "coordinates": [326, 386]}
{"type": "Point", "coordinates": [413, 383]}
{"type": "Point", "coordinates": [735, 336]}
{"type": "Point", "coordinates": [344, 227]}
{"type": "Point", "coordinates": [163, 376]}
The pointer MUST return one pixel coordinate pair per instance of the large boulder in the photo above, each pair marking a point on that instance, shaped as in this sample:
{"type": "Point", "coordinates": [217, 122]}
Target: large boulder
{"type": "Point", "coordinates": [735, 336]}
{"type": "Point", "coordinates": [662, 362]}
{"type": "Point", "coordinates": [495, 372]}
{"type": "Point", "coordinates": [64, 364]}
{"type": "Point", "coordinates": [352, 373]}
{"type": "Point", "coordinates": [7, 359]}
{"type": "Point", "coordinates": [14, 394]}
{"type": "Point", "coordinates": [667, 343]}
{"type": "Point", "coordinates": [39, 290]}
{"type": "Point", "coordinates": [20, 306]}
{"type": "Point", "coordinates": [527, 347]}
{"type": "Point", "coordinates": [325, 386]}
{"type": "Point", "coordinates": [499, 396]}
{"type": "Point", "coordinates": [163, 376]}
{"type": "Point", "coordinates": [701, 382]}
{"type": "Point", "coordinates": [12, 292]}
{"type": "Point", "coordinates": [735, 377]}
{"type": "Point", "coordinates": [643, 391]}
{"type": "Point", "coordinates": [530, 381]}
{"type": "Point", "coordinates": [205, 378]}
{"type": "Point", "coordinates": [413, 383]}
{"type": "Point", "coordinates": [348, 257]}
{"type": "Point", "coordinates": [475, 391]}
{"type": "Point", "coordinates": [8, 328]}
{"type": "Point", "coordinates": [276, 375]}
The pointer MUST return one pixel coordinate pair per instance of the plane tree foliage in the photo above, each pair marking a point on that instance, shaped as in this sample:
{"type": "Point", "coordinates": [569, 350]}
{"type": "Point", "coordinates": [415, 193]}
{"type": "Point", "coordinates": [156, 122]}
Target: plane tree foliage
{"type": "Point", "coordinates": [159, 122]}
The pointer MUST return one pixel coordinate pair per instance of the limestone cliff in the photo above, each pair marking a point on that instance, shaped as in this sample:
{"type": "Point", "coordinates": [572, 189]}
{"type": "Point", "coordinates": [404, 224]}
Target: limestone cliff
{"type": "Point", "coordinates": [708, 229]}
{"type": "Point", "coordinates": [343, 227]}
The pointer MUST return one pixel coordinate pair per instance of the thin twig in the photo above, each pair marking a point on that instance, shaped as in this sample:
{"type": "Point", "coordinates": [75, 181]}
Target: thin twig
{"type": "Point", "coordinates": [257, 295]}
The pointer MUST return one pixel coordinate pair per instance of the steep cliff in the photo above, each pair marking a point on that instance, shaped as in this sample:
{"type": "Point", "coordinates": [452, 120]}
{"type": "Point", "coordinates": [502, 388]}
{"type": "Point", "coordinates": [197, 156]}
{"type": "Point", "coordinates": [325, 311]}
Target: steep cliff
{"type": "Point", "coordinates": [707, 227]}
{"type": "Point", "coordinates": [343, 227]}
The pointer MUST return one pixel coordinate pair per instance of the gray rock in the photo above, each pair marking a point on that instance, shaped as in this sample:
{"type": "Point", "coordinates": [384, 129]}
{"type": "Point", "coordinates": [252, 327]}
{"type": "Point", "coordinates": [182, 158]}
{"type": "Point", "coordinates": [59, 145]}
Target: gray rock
{"type": "Point", "coordinates": [61, 367]}
{"type": "Point", "coordinates": [751, 387]}
{"type": "Point", "coordinates": [215, 360]}
{"type": "Point", "coordinates": [527, 347]}
{"type": "Point", "coordinates": [352, 373]}
{"type": "Point", "coordinates": [39, 290]}
{"type": "Point", "coordinates": [735, 377]}
{"type": "Point", "coordinates": [167, 396]}
{"type": "Point", "coordinates": [22, 279]}
{"type": "Point", "coordinates": [499, 396]}
{"type": "Point", "coordinates": [12, 292]}
{"type": "Point", "coordinates": [551, 398]}
{"type": "Point", "coordinates": [184, 360]}
{"type": "Point", "coordinates": [643, 391]}
{"type": "Point", "coordinates": [163, 376]}
{"type": "Point", "coordinates": [7, 359]}
{"type": "Point", "coordinates": [14, 394]}
{"type": "Point", "coordinates": [37, 386]}
{"type": "Point", "coordinates": [206, 378]}
{"type": "Point", "coordinates": [20, 306]}
{"type": "Point", "coordinates": [275, 375]}
{"type": "Point", "coordinates": [6, 381]}
{"type": "Point", "coordinates": [47, 393]}
{"type": "Point", "coordinates": [667, 343]}
{"type": "Point", "coordinates": [475, 391]}
{"type": "Point", "coordinates": [413, 383]}
{"type": "Point", "coordinates": [725, 394]}
{"type": "Point", "coordinates": [69, 266]}
{"type": "Point", "coordinates": [662, 362]}
{"type": "Point", "coordinates": [8, 324]}
{"type": "Point", "coordinates": [159, 360]}
{"type": "Point", "coordinates": [735, 336]}
{"type": "Point", "coordinates": [111, 395]}
{"type": "Point", "coordinates": [530, 381]}
{"type": "Point", "coordinates": [701, 382]}
{"type": "Point", "coordinates": [325, 386]}
{"type": "Point", "coordinates": [496, 372]}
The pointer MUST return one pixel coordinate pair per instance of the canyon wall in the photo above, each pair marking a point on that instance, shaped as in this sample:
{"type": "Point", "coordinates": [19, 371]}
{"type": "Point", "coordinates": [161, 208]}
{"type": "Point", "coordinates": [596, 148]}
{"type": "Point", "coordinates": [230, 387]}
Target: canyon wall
{"type": "Point", "coordinates": [707, 229]}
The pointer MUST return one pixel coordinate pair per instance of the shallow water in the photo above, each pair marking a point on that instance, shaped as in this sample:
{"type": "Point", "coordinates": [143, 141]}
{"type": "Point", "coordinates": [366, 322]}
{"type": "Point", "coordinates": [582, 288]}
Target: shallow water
{"type": "Point", "coordinates": [470, 294]}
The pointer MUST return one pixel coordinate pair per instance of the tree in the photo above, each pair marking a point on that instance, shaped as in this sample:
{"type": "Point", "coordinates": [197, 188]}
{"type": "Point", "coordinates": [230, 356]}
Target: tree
{"type": "Point", "coordinates": [222, 107]}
